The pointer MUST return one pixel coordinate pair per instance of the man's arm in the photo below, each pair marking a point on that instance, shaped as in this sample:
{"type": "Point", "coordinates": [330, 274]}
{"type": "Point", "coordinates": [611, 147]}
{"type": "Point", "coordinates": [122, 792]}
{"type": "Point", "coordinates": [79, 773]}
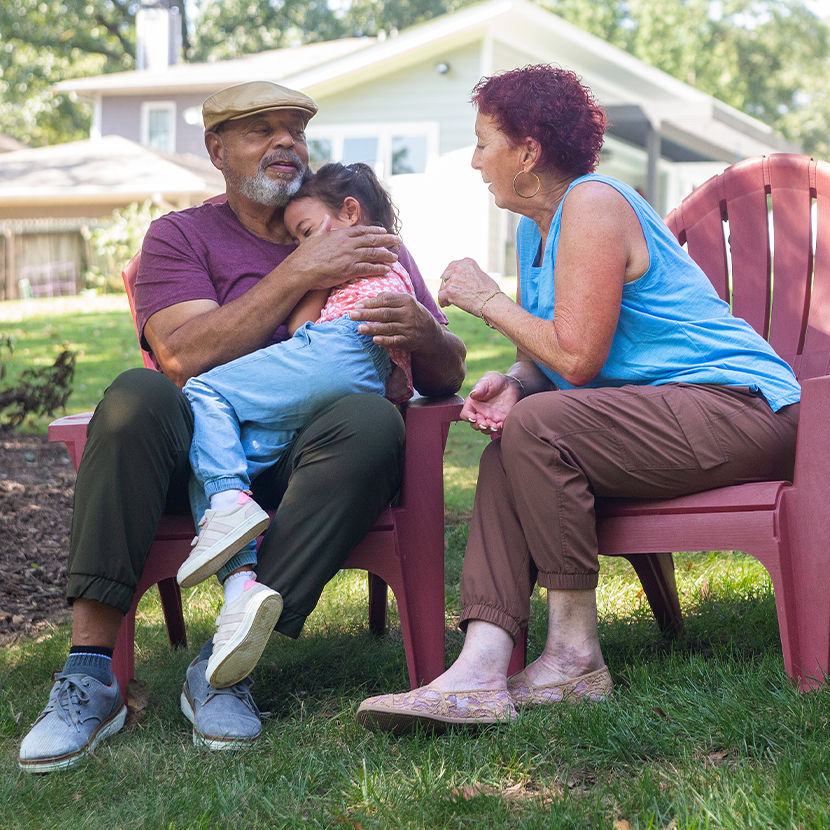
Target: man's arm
{"type": "Point", "coordinates": [398, 320]}
{"type": "Point", "coordinates": [189, 338]}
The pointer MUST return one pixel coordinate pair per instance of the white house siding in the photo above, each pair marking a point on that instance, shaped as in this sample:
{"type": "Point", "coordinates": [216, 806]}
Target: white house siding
{"type": "Point", "coordinates": [417, 93]}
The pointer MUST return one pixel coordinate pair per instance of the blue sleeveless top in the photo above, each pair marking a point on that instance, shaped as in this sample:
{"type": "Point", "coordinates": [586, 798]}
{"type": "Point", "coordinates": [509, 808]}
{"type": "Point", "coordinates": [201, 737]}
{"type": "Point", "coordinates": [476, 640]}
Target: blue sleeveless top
{"type": "Point", "coordinates": [673, 327]}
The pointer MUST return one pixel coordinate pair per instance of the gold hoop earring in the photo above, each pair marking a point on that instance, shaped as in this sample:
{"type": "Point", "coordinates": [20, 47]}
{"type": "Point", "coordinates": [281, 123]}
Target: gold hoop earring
{"type": "Point", "coordinates": [529, 173]}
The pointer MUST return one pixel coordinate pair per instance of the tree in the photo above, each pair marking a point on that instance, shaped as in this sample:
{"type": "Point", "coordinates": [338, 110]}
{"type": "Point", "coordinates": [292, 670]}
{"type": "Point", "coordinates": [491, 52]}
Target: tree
{"type": "Point", "coordinates": [46, 41]}
{"type": "Point", "coordinates": [767, 58]}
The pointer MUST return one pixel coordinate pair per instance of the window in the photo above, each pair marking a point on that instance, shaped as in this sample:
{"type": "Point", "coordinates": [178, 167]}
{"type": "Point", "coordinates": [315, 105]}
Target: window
{"type": "Point", "coordinates": [158, 125]}
{"type": "Point", "coordinates": [391, 149]}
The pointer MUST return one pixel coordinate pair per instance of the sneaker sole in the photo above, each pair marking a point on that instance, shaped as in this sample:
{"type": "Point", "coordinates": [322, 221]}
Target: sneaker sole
{"type": "Point", "coordinates": [236, 659]}
{"type": "Point", "coordinates": [104, 731]}
{"type": "Point", "coordinates": [210, 561]}
{"type": "Point", "coordinates": [212, 743]}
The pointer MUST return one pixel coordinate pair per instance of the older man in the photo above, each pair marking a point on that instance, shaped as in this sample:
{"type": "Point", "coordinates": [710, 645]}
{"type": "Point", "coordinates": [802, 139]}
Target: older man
{"type": "Point", "coordinates": [217, 282]}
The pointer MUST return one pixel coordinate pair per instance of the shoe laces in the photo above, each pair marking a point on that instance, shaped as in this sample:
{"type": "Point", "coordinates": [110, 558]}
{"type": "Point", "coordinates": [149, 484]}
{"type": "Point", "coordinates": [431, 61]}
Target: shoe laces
{"type": "Point", "coordinates": [67, 701]}
{"type": "Point", "coordinates": [240, 690]}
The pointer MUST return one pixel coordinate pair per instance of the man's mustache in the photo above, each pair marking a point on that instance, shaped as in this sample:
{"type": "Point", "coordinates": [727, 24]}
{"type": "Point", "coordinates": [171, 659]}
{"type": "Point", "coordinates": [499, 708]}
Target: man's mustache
{"type": "Point", "coordinates": [284, 158]}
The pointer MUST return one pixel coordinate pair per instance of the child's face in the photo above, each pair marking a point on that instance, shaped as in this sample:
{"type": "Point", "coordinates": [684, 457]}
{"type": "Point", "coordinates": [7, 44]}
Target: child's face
{"type": "Point", "coordinates": [307, 217]}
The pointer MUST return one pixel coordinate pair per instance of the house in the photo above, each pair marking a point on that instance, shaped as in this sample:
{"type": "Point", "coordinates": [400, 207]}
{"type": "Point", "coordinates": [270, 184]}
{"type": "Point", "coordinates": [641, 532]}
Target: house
{"type": "Point", "coordinates": [402, 104]}
{"type": "Point", "coordinates": [48, 194]}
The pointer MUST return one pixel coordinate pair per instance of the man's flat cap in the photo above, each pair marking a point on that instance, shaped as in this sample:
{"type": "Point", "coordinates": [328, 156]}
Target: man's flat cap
{"type": "Point", "coordinates": [253, 98]}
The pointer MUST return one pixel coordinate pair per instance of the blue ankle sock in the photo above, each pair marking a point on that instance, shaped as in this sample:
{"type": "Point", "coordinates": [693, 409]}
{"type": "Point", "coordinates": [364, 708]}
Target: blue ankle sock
{"type": "Point", "coordinates": [91, 662]}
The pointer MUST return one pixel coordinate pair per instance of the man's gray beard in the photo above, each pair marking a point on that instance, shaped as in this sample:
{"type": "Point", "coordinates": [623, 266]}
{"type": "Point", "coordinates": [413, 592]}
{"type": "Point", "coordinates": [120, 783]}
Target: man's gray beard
{"type": "Point", "coordinates": [262, 189]}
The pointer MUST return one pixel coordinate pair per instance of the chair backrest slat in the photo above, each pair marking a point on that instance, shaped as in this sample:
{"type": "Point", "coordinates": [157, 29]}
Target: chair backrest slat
{"type": "Point", "coordinates": [698, 223]}
{"type": "Point", "coordinates": [815, 359]}
{"type": "Point", "coordinates": [744, 186]}
{"type": "Point", "coordinates": [792, 265]}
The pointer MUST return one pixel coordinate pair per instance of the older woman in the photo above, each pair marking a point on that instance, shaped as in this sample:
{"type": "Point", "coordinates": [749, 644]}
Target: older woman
{"type": "Point", "coordinates": [631, 378]}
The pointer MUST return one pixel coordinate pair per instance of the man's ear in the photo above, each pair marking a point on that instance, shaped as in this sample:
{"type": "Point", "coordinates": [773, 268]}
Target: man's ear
{"type": "Point", "coordinates": [213, 144]}
{"type": "Point", "coordinates": [351, 211]}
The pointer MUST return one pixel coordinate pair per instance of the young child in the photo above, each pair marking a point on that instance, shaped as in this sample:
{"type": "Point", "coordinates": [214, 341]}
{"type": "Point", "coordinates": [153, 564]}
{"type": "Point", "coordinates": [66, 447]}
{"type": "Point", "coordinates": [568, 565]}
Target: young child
{"type": "Point", "coordinates": [248, 411]}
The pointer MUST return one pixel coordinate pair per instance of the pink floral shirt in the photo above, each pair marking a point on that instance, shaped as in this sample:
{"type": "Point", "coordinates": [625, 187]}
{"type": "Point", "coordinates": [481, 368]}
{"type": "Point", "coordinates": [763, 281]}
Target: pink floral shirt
{"type": "Point", "coordinates": [399, 386]}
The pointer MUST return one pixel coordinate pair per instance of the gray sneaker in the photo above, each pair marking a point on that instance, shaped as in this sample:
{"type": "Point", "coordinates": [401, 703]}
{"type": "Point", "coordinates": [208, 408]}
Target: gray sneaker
{"type": "Point", "coordinates": [222, 718]}
{"type": "Point", "coordinates": [80, 714]}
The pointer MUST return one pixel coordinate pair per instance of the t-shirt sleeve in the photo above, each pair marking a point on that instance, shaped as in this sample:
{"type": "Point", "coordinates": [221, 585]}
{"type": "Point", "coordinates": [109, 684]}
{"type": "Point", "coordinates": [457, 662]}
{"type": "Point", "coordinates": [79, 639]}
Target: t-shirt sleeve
{"type": "Point", "coordinates": [171, 271]}
{"type": "Point", "coordinates": [421, 291]}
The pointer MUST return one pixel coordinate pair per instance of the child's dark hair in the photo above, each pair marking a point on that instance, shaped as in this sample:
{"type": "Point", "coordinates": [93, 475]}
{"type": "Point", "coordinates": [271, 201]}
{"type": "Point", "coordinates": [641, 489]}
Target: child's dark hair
{"type": "Point", "coordinates": [333, 182]}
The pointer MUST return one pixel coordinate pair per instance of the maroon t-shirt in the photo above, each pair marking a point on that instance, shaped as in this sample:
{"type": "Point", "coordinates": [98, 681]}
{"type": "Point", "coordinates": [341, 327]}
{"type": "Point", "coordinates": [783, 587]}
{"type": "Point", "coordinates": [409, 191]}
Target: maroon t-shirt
{"type": "Point", "coordinates": [205, 253]}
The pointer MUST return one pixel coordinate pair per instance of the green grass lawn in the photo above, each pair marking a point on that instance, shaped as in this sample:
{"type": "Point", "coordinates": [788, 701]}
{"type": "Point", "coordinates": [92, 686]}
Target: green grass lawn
{"type": "Point", "coordinates": [703, 732]}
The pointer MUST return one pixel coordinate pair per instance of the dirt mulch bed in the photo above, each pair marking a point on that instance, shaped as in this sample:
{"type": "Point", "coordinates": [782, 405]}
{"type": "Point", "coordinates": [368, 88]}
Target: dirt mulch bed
{"type": "Point", "coordinates": [37, 484]}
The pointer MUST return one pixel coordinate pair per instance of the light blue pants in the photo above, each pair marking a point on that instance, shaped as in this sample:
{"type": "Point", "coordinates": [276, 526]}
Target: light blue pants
{"type": "Point", "coordinates": [247, 412]}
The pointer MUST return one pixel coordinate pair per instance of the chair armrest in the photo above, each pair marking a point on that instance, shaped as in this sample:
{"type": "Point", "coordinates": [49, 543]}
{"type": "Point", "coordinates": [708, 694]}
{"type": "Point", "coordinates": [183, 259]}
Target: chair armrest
{"type": "Point", "coordinates": [427, 425]}
{"type": "Point", "coordinates": [71, 429]}
{"type": "Point", "coordinates": [812, 453]}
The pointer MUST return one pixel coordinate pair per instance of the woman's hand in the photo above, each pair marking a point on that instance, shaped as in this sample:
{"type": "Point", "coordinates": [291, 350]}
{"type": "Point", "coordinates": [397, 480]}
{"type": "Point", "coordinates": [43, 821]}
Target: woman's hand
{"type": "Point", "coordinates": [466, 286]}
{"type": "Point", "coordinates": [490, 402]}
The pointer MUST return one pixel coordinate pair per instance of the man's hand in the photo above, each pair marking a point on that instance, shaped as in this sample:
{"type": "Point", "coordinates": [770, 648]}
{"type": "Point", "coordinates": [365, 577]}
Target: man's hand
{"type": "Point", "coordinates": [342, 254]}
{"type": "Point", "coordinates": [395, 321]}
{"type": "Point", "coordinates": [400, 321]}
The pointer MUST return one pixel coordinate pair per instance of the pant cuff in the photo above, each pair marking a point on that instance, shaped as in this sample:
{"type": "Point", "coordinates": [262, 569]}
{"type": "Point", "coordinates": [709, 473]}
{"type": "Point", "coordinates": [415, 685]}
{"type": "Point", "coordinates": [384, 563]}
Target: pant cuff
{"type": "Point", "coordinates": [290, 623]}
{"type": "Point", "coordinates": [568, 582]}
{"type": "Point", "coordinates": [100, 589]}
{"type": "Point", "coordinates": [220, 485]}
{"type": "Point", "coordinates": [496, 616]}
{"type": "Point", "coordinates": [247, 556]}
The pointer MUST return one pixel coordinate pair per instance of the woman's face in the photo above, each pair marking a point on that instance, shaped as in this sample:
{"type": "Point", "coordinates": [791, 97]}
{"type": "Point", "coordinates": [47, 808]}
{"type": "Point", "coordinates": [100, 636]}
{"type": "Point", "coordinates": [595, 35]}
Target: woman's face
{"type": "Point", "coordinates": [498, 161]}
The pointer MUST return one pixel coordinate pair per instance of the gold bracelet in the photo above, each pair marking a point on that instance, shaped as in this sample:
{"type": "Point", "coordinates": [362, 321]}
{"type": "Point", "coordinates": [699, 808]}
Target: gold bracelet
{"type": "Point", "coordinates": [481, 308]}
{"type": "Point", "coordinates": [519, 381]}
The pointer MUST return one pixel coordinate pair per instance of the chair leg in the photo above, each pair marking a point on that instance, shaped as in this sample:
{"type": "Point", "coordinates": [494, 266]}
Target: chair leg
{"type": "Point", "coordinates": [656, 574]}
{"type": "Point", "coordinates": [518, 659]}
{"type": "Point", "coordinates": [377, 604]}
{"type": "Point", "coordinates": [171, 605]}
{"type": "Point", "coordinates": [123, 656]}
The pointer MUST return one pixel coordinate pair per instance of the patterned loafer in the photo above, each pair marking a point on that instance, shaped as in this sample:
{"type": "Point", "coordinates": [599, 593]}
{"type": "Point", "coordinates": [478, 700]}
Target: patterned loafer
{"type": "Point", "coordinates": [595, 685]}
{"type": "Point", "coordinates": [435, 710]}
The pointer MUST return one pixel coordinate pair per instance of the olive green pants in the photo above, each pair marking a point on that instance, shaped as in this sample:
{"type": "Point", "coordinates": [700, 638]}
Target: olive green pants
{"type": "Point", "coordinates": [328, 490]}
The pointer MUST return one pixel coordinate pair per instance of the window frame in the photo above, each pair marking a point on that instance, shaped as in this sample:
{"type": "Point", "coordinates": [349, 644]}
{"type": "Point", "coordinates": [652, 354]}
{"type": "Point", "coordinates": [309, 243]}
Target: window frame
{"type": "Point", "coordinates": [146, 108]}
{"type": "Point", "coordinates": [384, 132]}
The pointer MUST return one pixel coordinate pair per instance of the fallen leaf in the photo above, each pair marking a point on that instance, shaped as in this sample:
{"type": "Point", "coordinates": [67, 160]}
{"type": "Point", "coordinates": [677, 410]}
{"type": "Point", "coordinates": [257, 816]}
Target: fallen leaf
{"type": "Point", "coordinates": [621, 824]}
{"type": "Point", "coordinates": [469, 791]}
{"type": "Point", "coordinates": [138, 696]}
{"type": "Point", "coordinates": [660, 712]}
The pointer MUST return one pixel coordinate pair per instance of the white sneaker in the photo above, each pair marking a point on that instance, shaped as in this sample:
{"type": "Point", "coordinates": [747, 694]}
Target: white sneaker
{"type": "Point", "coordinates": [242, 631]}
{"type": "Point", "coordinates": [222, 533]}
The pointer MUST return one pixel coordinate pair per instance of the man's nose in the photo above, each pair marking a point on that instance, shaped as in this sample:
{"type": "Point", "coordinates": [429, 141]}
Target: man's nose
{"type": "Point", "coordinates": [282, 138]}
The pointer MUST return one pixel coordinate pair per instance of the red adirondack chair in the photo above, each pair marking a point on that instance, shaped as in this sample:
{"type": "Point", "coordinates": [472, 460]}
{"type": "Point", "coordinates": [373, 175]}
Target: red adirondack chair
{"type": "Point", "coordinates": [783, 291]}
{"type": "Point", "coordinates": [404, 550]}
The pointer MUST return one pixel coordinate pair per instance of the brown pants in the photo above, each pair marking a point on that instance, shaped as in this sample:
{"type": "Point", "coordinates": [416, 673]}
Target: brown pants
{"type": "Point", "coordinates": [533, 519]}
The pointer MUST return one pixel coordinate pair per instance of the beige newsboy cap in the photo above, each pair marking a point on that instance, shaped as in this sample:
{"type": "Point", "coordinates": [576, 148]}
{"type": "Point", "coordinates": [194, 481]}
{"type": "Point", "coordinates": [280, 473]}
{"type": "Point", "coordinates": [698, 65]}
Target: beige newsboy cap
{"type": "Point", "coordinates": [252, 98]}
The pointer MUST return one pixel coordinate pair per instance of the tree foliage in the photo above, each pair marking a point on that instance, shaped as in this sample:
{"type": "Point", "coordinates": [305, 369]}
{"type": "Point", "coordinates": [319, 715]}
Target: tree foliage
{"type": "Point", "coordinates": [768, 58]}
{"type": "Point", "coordinates": [46, 41]}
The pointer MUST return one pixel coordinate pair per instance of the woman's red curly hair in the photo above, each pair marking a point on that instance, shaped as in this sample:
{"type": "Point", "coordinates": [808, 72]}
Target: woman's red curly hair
{"type": "Point", "coordinates": [549, 104]}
